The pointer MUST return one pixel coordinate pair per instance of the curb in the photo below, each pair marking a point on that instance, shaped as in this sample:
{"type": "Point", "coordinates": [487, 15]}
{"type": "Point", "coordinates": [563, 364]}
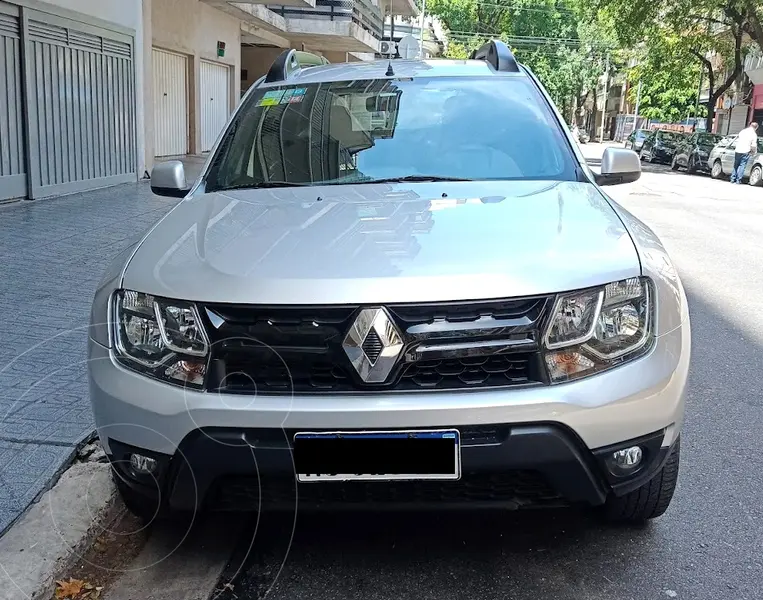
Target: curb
{"type": "Point", "coordinates": [52, 534]}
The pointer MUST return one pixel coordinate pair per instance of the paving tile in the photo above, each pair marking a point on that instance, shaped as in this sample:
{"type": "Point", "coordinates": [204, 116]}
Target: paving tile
{"type": "Point", "coordinates": [25, 471]}
{"type": "Point", "coordinates": [54, 252]}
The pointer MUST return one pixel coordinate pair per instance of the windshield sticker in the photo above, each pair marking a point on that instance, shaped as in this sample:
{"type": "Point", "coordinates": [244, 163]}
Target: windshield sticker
{"type": "Point", "coordinates": [293, 96]}
{"type": "Point", "coordinates": [272, 98]}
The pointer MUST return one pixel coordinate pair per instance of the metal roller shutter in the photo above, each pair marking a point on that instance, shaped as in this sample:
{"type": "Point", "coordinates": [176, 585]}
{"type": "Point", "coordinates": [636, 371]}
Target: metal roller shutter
{"type": "Point", "coordinates": [13, 179]}
{"type": "Point", "coordinates": [81, 106]}
{"type": "Point", "coordinates": [170, 103]}
{"type": "Point", "coordinates": [738, 120]}
{"type": "Point", "coordinates": [215, 102]}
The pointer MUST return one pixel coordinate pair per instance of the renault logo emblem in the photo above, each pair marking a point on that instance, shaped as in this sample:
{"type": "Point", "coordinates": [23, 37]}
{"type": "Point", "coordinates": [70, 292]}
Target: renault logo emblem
{"type": "Point", "coordinates": [373, 345]}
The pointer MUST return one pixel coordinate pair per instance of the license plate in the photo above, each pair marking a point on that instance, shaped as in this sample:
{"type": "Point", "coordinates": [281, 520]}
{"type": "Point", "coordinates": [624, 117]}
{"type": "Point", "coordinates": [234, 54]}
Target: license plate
{"type": "Point", "coordinates": [378, 455]}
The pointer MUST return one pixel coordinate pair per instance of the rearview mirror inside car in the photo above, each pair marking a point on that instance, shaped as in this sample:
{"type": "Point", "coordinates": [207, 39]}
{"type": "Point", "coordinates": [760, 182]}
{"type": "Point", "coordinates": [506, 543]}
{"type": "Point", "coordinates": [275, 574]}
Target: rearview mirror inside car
{"type": "Point", "coordinates": [618, 165]}
{"type": "Point", "coordinates": [168, 179]}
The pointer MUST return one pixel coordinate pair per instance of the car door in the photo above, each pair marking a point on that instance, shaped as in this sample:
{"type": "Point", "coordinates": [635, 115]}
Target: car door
{"type": "Point", "coordinates": [727, 155]}
{"type": "Point", "coordinates": [754, 159]}
{"type": "Point", "coordinates": [684, 150]}
{"type": "Point", "coordinates": [646, 145]}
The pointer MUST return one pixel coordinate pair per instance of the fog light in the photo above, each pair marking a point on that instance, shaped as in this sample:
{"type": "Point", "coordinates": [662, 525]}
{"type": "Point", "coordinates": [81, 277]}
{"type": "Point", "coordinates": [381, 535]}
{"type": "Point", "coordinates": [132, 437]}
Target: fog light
{"type": "Point", "coordinates": [625, 461]}
{"type": "Point", "coordinates": [142, 465]}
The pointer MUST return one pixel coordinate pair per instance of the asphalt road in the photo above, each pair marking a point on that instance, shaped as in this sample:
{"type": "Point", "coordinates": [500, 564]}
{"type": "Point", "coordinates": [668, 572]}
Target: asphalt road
{"type": "Point", "coordinates": [707, 546]}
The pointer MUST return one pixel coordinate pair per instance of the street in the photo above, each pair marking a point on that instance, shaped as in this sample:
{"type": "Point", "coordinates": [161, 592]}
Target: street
{"type": "Point", "coordinates": [708, 545]}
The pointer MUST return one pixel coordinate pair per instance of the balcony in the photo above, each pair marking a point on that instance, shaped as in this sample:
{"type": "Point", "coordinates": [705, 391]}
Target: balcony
{"type": "Point", "coordinates": [335, 25]}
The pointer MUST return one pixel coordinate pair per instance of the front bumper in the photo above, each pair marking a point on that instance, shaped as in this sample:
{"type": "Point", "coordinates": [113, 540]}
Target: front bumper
{"type": "Point", "coordinates": [220, 432]}
{"type": "Point", "coordinates": [511, 466]}
{"type": "Point", "coordinates": [663, 155]}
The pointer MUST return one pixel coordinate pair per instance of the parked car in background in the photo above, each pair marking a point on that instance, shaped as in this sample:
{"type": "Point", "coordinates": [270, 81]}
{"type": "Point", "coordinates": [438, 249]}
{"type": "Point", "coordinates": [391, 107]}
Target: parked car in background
{"type": "Point", "coordinates": [721, 161]}
{"type": "Point", "coordinates": [694, 150]}
{"type": "Point", "coordinates": [660, 146]}
{"type": "Point", "coordinates": [636, 139]}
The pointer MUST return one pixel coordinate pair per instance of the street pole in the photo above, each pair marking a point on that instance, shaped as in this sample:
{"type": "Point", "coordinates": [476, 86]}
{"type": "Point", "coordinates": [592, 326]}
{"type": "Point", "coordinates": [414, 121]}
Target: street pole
{"type": "Point", "coordinates": [699, 91]}
{"type": "Point", "coordinates": [604, 103]}
{"type": "Point", "coordinates": [638, 103]}
{"type": "Point", "coordinates": [421, 33]}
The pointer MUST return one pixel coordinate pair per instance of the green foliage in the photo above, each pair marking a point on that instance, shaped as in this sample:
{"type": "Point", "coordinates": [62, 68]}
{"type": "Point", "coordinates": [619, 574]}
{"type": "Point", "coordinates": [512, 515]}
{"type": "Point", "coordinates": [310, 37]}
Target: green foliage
{"type": "Point", "coordinates": [669, 75]}
{"type": "Point", "coordinates": [676, 36]}
{"type": "Point", "coordinates": [568, 69]}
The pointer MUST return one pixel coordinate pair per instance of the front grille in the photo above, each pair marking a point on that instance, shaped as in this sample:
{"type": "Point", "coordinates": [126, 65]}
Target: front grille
{"type": "Point", "coordinates": [298, 349]}
{"type": "Point", "coordinates": [469, 372]}
{"type": "Point", "coordinates": [515, 489]}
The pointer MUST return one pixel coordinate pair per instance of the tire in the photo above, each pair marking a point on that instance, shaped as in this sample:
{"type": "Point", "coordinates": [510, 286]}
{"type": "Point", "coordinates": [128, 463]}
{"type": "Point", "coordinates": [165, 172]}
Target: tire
{"type": "Point", "coordinates": [652, 499]}
{"type": "Point", "coordinates": [717, 170]}
{"type": "Point", "coordinates": [756, 176]}
{"type": "Point", "coordinates": [674, 164]}
{"type": "Point", "coordinates": [148, 510]}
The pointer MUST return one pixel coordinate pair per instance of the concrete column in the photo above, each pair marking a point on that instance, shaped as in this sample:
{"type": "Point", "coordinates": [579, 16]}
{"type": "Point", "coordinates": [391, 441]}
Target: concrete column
{"type": "Point", "coordinates": [146, 105]}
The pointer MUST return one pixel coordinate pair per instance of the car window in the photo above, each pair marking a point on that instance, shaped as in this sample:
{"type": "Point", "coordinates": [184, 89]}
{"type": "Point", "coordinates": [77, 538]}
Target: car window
{"type": "Point", "coordinates": [670, 136]}
{"type": "Point", "coordinates": [358, 131]}
{"type": "Point", "coordinates": [708, 139]}
{"type": "Point", "coordinates": [727, 141]}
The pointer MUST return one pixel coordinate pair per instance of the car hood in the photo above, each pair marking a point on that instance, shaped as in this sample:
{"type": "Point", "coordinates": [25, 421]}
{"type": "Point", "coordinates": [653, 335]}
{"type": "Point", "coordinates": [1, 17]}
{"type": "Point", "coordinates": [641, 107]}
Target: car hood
{"type": "Point", "coordinates": [375, 243]}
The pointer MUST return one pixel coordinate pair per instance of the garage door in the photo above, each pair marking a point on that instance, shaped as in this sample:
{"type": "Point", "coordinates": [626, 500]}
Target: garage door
{"type": "Point", "coordinates": [170, 103]}
{"type": "Point", "coordinates": [215, 102]}
{"type": "Point", "coordinates": [12, 161]}
{"type": "Point", "coordinates": [738, 120]}
{"type": "Point", "coordinates": [81, 108]}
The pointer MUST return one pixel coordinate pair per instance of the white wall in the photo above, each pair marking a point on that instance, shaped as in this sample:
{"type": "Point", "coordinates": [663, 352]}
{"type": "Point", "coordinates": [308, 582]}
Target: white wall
{"type": "Point", "coordinates": [192, 28]}
{"type": "Point", "coordinates": [256, 61]}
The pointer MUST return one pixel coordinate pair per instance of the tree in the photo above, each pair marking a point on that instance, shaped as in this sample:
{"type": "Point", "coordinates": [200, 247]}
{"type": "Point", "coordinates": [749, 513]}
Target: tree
{"type": "Point", "coordinates": [680, 34]}
{"type": "Point", "coordinates": [669, 78]}
{"type": "Point", "coordinates": [550, 37]}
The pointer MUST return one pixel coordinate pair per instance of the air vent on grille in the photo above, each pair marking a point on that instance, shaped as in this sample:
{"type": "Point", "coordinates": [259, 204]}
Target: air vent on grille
{"type": "Point", "coordinates": [298, 349]}
{"type": "Point", "coordinates": [517, 488]}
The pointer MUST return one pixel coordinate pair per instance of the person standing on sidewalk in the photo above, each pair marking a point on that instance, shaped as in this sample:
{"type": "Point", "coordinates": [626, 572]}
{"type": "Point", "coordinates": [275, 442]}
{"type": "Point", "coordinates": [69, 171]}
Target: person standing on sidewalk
{"type": "Point", "coordinates": [745, 146]}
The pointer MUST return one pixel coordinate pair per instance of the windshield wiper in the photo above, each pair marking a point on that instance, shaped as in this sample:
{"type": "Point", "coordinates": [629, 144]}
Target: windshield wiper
{"type": "Point", "coordinates": [258, 185]}
{"type": "Point", "coordinates": [412, 178]}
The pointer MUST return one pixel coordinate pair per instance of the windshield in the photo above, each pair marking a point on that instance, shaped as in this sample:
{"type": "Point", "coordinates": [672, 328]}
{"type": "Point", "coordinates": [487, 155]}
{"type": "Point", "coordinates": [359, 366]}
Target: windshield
{"type": "Point", "coordinates": [669, 137]}
{"type": "Point", "coordinates": [708, 139]}
{"type": "Point", "coordinates": [359, 131]}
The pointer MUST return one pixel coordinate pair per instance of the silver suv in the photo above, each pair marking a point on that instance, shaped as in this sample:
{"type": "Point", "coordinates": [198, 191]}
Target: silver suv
{"type": "Point", "coordinates": [394, 283]}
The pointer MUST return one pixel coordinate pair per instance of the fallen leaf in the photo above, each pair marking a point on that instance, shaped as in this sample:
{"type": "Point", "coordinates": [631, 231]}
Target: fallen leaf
{"type": "Point", "coordinates": [69, 589]}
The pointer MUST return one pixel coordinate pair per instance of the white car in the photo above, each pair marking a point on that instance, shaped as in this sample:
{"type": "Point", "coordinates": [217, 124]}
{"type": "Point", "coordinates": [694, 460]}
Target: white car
{"type": "Point", "coordinates": [440, 307]}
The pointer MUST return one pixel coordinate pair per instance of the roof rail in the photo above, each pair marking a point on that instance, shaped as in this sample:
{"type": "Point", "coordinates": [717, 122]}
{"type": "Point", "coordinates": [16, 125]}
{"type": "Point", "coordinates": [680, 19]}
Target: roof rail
{"type": "Point", "coordinates": [290, 61]}
{"type": "Point", "coordinates": [498, 55]}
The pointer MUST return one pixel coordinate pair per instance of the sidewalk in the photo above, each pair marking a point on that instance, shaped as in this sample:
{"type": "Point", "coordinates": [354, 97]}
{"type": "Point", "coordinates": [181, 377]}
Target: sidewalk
{"type": "Point", "coordinates": [54, 252]}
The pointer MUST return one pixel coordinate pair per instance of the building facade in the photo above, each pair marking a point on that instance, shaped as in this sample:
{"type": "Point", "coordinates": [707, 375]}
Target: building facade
{"type": "Point", "coordinates": [98, 90]}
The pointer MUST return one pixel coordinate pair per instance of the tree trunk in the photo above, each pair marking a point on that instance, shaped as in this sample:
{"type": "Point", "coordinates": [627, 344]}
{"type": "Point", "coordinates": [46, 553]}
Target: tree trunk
{"type": "Point", "coordinates": [710, 115]}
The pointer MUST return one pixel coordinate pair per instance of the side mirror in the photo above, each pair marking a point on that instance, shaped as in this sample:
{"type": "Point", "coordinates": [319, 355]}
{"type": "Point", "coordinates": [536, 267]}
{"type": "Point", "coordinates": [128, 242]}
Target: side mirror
{"type": "Point", "coordinates": [619, 165]}
{"type": "Point", "coordinates": [168, 179]}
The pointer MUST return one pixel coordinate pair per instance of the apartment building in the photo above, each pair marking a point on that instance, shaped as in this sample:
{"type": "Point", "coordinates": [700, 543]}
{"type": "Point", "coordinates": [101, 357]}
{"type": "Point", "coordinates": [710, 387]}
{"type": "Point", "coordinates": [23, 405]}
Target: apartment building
{"type": "Point", "coordinates": [96, 90]}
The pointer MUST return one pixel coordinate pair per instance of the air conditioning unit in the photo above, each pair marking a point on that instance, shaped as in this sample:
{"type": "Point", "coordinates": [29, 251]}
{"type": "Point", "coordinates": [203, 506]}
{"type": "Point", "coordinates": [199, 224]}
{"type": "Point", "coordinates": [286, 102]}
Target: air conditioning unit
{"type": "Point", "coordinates": [388, 48]}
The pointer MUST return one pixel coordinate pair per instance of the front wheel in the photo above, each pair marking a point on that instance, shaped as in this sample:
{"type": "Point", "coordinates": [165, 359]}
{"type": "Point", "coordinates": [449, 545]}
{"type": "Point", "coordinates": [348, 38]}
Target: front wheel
{"type": "Point", "coordinates": [650, 500]}
{"type": "Point", "coordinates": [717, 170]}
{"type": "Point", "coordinates": [756, 176]}
{"type": "Point", "coordinates": [674, 164]}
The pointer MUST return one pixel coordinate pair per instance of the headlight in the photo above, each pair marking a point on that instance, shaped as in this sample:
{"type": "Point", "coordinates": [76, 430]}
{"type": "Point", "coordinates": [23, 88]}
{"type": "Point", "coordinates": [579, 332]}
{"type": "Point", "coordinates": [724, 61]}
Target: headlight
{"type": "Point", "coordinates": [597, 329]}
{"type": "Point", "coordinates": [161, 338]}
